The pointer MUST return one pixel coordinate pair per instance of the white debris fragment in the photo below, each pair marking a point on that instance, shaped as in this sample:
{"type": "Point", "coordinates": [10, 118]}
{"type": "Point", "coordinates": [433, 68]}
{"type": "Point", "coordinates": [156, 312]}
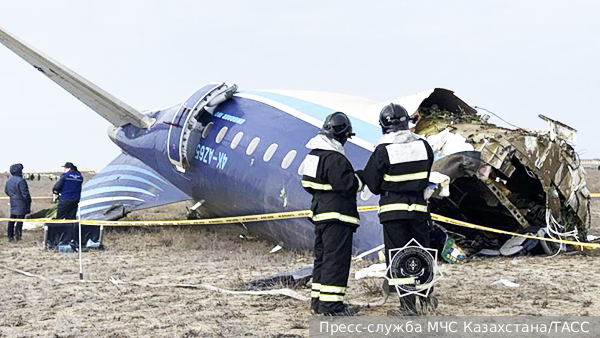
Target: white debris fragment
{"type": "Point", "coordinates": [276, 248]}
{"type": "Point", "coordinates": [374, 271]}
{"type": "Point", "coordinates": [197, 205]}
{"type": "Point", "coordinates": [439, 185]}
{"type": "Point", "coordinates": [32, 226]}
{"type": "Point", "coordinates": [505, 282]}
{"type": "Point", "coordinates": [448, 143]}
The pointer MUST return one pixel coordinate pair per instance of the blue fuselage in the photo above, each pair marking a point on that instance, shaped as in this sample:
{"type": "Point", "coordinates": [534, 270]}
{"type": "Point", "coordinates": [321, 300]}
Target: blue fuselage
{"type": "Point", "coordinates": [244, 160]}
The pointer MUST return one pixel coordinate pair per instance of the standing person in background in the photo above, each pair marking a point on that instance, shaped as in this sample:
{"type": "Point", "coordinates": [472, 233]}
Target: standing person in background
{"type": "Point", "coordinates": [20, 201]}
{"type": "Point", "coordinates": [68, 187]}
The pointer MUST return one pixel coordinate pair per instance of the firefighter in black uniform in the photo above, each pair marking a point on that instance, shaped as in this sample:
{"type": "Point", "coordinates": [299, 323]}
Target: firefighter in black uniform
{"type": "Point", "coordinates": [329, 177]}
{"type": "Point", "coordinates": [398, 171]}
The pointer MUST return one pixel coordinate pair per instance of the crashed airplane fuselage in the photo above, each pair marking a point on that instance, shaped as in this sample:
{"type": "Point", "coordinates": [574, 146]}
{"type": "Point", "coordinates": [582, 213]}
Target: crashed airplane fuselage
{"type": "Point", "coordinates": [240, 152]}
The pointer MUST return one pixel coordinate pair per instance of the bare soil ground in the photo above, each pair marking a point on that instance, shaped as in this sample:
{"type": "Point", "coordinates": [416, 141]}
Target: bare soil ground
{"type": "Point", "coordinates": [32, 307]}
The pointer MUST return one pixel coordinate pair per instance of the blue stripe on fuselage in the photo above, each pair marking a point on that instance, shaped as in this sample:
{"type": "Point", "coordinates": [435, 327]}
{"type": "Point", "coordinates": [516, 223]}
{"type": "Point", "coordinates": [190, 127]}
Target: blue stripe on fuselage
{"type": "Point", "coordinates": [119, 177]}
{"type": "Point", "coordinates": [118, 188]}
{"type": "Point", "coordinates": [128, 167]}
{"type": "Point", "coordinates": [364, 130]}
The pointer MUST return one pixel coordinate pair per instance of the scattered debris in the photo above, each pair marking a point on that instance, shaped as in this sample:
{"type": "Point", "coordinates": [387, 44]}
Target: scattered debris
{"type": "Point", "coordinates": [290, 279]}
{"type": "Point", "coordinates": [193, 212]}
{"type": "Point", "coordinates": [93, 245]}
{"type": "Point", "coordinates": [282, 292]}
{"type": "Point", "coordinates": [372, 271]}
{"type": "Point", "coordinates": [452, 253]}
{"type": "Point", "coordinates": [112, 280]}
{"type": "Point", "coordinates": [489, 253]}
{"type": "Point", "coordinates": [366, 253]}
{"type": "Point", "coordinates": [505, 282]}
{"type": "Point", "coordinates": [520, 245]}
{"type": "Point", "coordinates": [439, 184]}
{"type": "Point", "coordinates": [65, 248]}
{"type": "Point", "coordinates": [276, 248]}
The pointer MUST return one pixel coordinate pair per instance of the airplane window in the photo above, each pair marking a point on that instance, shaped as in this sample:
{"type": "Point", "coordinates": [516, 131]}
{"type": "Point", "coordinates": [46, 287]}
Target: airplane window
{"type": "Point", "coordinates": [221, 134]}
{"type": "Point", "coordinates": [270, 152]}
{"type": "Point", "coordinates": [288, 159]}
{"type": "Point", "coordinates": [207, 129]}
{"type": "Point", "coordinates": [236, 140]}
{"type": "Point", "coordinates": [252, 146]}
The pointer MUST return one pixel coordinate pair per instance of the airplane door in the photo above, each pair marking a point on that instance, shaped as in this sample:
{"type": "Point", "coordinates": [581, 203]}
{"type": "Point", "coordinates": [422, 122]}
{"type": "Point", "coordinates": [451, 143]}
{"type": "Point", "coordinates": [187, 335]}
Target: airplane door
{"type": "Point", "coordinates": [205, 99]}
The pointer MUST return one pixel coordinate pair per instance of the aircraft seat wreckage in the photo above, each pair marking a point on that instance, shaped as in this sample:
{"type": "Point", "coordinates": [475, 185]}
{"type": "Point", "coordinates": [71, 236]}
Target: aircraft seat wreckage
{"type": "Point", "coordinates": [510, 179]}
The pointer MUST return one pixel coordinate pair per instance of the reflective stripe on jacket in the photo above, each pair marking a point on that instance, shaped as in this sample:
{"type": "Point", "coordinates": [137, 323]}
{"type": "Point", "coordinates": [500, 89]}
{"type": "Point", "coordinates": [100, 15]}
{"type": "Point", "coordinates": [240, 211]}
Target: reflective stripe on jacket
{"type": "Point", "coordinates": [329, 177]}
{"type": "Point", "coordinates": [399, 172]}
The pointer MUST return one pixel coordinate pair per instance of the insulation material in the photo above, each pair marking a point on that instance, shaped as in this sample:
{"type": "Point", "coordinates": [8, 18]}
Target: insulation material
{"type": "Point", "coordinates": [447, 143]}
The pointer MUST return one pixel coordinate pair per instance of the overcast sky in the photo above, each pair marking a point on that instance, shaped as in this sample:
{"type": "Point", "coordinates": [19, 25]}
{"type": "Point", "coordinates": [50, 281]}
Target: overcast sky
{"type": "Point", "coordinates": [518, 59]}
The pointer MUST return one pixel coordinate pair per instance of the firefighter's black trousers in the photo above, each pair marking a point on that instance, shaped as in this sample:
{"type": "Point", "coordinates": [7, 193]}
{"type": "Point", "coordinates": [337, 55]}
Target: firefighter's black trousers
{"type": "Point", "coordinates": [398, 233]}
{"type": "Point", "coordinates": [333, 253]}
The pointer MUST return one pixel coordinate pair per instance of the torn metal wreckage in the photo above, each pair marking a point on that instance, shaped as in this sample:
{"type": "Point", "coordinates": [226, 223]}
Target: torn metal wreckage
{"type": "Point", "coordinates": [510, 179]}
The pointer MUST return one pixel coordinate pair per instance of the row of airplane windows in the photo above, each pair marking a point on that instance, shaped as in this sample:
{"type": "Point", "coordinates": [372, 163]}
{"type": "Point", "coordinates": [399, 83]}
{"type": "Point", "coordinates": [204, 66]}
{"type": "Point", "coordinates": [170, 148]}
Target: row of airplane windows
{"type": "Point", "coordinates": [285, 163]}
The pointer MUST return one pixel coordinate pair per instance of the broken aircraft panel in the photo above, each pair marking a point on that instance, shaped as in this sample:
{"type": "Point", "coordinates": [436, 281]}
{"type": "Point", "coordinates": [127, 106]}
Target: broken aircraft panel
{"type": "Point", "coordinates": [508, 179]}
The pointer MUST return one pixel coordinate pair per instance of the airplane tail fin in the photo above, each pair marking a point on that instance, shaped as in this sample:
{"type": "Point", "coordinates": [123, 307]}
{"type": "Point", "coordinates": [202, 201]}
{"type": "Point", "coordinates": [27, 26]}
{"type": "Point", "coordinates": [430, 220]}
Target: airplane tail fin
{"type": "Point", "coordinates": [115, 111]}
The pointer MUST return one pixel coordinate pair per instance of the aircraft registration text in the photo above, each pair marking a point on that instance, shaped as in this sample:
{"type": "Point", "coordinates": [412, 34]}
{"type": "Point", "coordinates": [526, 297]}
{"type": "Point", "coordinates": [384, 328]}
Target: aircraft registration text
{"type": "Point", "coordinates": [209, 156]}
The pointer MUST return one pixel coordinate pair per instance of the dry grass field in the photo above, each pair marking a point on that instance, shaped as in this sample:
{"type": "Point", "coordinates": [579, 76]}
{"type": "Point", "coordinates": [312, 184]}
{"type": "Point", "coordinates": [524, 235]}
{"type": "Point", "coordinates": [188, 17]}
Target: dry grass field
{"type": "Point", "coordinates": [61, 306]}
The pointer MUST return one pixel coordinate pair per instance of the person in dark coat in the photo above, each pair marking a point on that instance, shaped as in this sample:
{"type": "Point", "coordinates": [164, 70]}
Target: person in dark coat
{"type": "Point", "coordinates": [68, 188]}
{"type": "Point", "coordinates": [20, 201]}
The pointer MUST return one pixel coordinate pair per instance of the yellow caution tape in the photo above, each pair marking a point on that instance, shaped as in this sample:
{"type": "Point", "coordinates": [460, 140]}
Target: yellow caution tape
{"type": "Point", "coordinates": [479, 227]}
{"type": "Point", "coordinates": [592, 195]}
{"type": "Point", "coordinates": [290, 215]}
{"type": "Point", "coordinates": [208, 221]}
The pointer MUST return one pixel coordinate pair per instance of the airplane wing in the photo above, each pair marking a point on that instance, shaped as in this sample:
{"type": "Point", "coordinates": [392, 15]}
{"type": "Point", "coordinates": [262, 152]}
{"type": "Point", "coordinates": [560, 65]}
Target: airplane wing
{"type": "Point", "coordinates": [125, 185]}
{"type": "Point", "coordinates": [115, 111]}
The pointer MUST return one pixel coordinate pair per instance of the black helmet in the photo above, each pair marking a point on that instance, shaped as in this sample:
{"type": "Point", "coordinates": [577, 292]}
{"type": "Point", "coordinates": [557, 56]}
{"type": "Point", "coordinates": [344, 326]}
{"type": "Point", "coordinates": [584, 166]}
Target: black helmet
{"type": "Point", "coordinates": [393, 117]}
{"type": "Point", "coordinates": [337, 126]}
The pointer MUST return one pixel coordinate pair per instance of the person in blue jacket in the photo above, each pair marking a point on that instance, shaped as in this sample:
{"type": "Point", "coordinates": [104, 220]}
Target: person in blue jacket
{"type": "Point", "coordinates": [68, 188]}
{"type": "Point", "coordinates": [20, 201]}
